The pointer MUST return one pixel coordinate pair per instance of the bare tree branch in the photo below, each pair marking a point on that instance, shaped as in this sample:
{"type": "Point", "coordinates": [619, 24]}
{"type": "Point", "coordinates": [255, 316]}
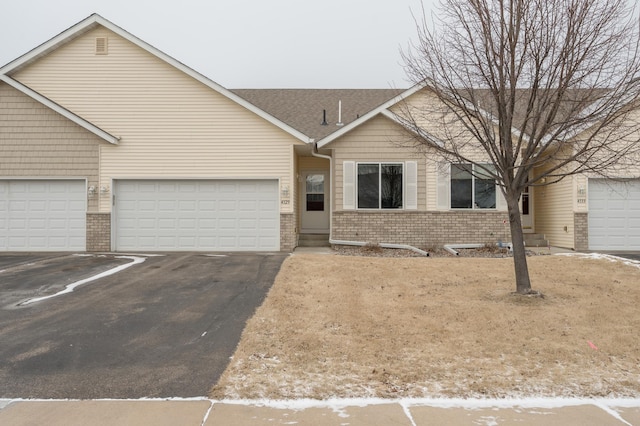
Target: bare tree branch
{"type": "Point", "coordinates": [546, 86]}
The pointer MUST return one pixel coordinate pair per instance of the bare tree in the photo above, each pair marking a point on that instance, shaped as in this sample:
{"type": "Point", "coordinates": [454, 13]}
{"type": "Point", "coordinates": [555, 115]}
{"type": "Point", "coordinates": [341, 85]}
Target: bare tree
{"type": "Point", "coordinates": [528, 83]}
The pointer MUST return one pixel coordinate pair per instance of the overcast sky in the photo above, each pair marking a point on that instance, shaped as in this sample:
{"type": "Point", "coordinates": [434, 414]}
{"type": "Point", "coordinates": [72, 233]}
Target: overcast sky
{"type": "Point", "coordinates": [244, 43]}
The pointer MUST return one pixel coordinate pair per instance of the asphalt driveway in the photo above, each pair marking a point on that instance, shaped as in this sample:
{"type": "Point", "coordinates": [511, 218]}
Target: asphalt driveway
{"type": "Point", "coordinates": [160, 326]}
{"type": "Point", "coordinates": [628, 255]}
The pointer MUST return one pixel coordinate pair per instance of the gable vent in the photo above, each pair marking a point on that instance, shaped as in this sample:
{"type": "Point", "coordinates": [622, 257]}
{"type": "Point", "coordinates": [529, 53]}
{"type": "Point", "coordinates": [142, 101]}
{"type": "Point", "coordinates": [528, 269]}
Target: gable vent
{"type": "Point", "coordinates": [101, 46]}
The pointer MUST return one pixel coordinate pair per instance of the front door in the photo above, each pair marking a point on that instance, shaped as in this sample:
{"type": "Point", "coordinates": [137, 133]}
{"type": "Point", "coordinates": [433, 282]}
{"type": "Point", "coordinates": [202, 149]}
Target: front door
{"type": "Point", "coordinates": [526, 207]}
{"type": "Point", "coordinates": [315, 202]}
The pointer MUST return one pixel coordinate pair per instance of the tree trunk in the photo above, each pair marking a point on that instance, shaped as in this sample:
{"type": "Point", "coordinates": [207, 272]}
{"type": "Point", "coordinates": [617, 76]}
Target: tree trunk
{"type": "Point", "coordinates": [523, 283]}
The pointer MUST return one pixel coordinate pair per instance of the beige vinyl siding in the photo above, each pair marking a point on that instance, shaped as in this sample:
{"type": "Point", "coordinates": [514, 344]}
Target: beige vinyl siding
{"type": "Point", "coordinates": [553, 206]}
{"type": "Point", "coordinates": [377, 140]}
{"type": "Point", "coordinates": [440, 123]}
{"type": "Point", "coordinates": [39, 142]}
{"type": "Point", "coordinates": [171, 125]}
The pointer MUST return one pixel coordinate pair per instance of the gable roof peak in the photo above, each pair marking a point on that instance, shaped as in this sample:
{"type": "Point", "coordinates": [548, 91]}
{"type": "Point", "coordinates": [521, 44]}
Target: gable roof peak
{"type": "Point", "coordinates": [95, 20]}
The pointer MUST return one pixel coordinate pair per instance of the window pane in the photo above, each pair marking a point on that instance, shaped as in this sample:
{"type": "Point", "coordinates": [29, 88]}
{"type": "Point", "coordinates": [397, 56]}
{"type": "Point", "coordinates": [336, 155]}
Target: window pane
{"type": "Point", "coordinates": [461, 186]}
{"type": "Point", "coordinates": [315, 202]}
{"type": "Point", "coordinates": [485, 194]}
{"type": "Point", "coordinates": [368, 181]}
{"type": "Point", "coordinates": [315, 184]}
{"type": "Point", "coordinates": [391, 186]}
{"type": "Point", "coordinates": [485, 187]}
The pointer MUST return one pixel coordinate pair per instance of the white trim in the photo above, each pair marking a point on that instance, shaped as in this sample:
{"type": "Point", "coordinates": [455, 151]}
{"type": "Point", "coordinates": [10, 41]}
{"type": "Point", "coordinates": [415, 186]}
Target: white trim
{"type": "Point", "coordinates": [410, 178]}
{"type": "Point", "coordinates": [443, 186]}
{"type": "Point", "coordinates": [60, 110]}
{"type": "Point", "coordinates": [349, 185]}
{"type": "Point", "coordinates": [95, 20]}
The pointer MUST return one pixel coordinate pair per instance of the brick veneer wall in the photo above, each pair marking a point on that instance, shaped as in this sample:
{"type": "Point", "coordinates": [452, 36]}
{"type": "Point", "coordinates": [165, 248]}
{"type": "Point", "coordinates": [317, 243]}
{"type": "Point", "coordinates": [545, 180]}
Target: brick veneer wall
{"type": "Point", "coordinates": [581, 231]}
{"type": "Point", "coordinates": [98, 232]}
{"type": "Point", "coordinates": [422, 229]}
{"type": "Point", "coordinates": [288, 238]}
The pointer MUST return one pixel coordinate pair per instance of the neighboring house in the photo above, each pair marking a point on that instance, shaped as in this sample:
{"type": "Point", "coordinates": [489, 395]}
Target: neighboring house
{"type": "Point", "coordinates": [108, 144]}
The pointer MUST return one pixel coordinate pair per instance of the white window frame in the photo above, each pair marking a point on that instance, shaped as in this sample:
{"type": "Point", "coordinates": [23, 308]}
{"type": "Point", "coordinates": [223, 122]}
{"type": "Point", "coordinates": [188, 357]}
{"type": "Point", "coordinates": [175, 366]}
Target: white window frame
{"type": "Point", "coordinates": [380, 164]}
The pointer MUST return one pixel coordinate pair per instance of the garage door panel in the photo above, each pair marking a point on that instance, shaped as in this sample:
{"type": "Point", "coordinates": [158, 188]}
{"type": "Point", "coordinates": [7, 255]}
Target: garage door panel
{"type": "Point", "coordinates": [228, 206]}
{"type": "Point", "coordinates": [18, 243]}
{"type": "Point", "coordinates": [197, 215]}
{"type": "Point", "coordinates": [226, 224]}
{"type": "Point", "coordinates": [248, 224]}
{"type": "Point", "coordinates": [17, 224]}
{"type": "Point", "coordinates": [269, 223]}
{"type": "Point", "coordinates": [187, 206]}
{"type": "Point", "coordinates": [248, 188]}
{"type": "Point", "coordinates": [614, 215]}
{"type": "Point", "coordinates": [206, 206]}
{"type": "Point", "coordinates": [43, 215]}
{"type": "Point", "coordinates": [207, 223]}
{"type": "Point", "coordinates": [228, 188]}
{"type": "Point", "coordinates": [17, 205]}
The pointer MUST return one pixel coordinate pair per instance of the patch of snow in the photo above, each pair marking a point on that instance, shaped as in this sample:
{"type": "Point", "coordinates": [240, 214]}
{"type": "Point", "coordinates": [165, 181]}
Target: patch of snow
{"type": "Point", "coordinates": [206, 416]}
{"type": "Point", "coordinates": [609, 257]}
{"type": "Point", "coordinates": [612, 413]}
{"type": "Point", "coordinates": [70, 287]}
{"type": "Point", "coordinates": [340, 404]}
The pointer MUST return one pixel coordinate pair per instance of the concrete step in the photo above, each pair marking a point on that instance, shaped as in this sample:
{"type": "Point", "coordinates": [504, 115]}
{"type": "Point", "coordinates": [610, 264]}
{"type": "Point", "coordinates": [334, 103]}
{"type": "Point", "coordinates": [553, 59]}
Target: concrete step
{"type": "Point", "coordinates": [535, 240]}
{"type": "Point", "coordinates": [313, 240]}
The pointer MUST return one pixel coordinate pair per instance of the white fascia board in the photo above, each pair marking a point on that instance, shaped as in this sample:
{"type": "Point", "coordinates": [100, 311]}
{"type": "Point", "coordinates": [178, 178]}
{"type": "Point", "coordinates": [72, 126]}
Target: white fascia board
{"type": "Point", "coordinates": [366, 117]}
{"type": "Point", "coordinates": [60, 110]}
{"type": "Point", "coordinates": [95, 19]}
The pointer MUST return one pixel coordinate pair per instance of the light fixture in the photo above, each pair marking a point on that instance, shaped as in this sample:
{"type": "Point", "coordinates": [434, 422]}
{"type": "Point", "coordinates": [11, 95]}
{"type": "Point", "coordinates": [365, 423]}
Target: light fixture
{"type": "Point", "coordinates": [104, 190]}
{"type": "Point", "coordinates": [91, 191]}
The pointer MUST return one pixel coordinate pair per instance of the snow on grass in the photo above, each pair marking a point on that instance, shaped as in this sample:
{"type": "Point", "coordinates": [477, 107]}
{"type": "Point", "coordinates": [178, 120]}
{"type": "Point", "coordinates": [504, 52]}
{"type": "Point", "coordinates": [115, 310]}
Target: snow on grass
{"type": "Point", "coordinates": [609, 257]}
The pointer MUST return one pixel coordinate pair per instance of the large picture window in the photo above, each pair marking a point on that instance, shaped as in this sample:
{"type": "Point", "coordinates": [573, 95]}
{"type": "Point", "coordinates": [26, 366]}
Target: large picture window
{"type": "Point", "coordinates": [472, 187]}
{"type": "Point", "coordinates": [380, 185]}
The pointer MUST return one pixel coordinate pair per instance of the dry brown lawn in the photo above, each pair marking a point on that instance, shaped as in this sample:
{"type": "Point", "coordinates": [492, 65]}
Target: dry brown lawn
{"type": "Point", "coordinates": [344, 326]}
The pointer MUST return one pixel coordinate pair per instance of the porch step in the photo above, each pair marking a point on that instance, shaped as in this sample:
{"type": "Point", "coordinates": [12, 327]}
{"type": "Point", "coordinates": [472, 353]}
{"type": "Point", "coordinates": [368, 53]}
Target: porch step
{"type": "Point", "coordinates": [313, 240]}
{"type": "Point", "coordinates": [535, 240]}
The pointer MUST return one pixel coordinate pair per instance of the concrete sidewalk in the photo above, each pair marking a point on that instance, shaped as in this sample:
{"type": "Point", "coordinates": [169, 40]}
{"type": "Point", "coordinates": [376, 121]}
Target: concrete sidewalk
{"type": "Point", "coordinates": [204, 412]}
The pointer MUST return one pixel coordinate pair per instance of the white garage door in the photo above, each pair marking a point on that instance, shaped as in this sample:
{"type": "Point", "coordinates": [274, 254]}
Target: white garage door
{"type": "Point", "coordinates": [185, 215]}
{"type": "Point", "coordinates": [614, 215]}
{"type": "Point", "coordinates": [42, 215]}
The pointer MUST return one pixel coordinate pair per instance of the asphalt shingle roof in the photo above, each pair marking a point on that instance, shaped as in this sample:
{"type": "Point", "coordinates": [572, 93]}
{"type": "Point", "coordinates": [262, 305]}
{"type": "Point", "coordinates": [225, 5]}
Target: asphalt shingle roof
{"type": "Point", "coordinates": [302, 109]}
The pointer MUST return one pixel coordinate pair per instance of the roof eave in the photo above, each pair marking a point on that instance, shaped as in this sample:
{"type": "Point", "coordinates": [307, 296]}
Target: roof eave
{"type": "Point", "coordinates": [60, 110]}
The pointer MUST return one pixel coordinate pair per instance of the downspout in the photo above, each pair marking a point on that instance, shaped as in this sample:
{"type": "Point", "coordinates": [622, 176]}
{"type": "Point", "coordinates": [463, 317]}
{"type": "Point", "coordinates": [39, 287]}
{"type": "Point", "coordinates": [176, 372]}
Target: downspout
{"type": "Point", "coordinates": [453, 248]}
{"type": "Point", "coordinates": [315, 153]}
